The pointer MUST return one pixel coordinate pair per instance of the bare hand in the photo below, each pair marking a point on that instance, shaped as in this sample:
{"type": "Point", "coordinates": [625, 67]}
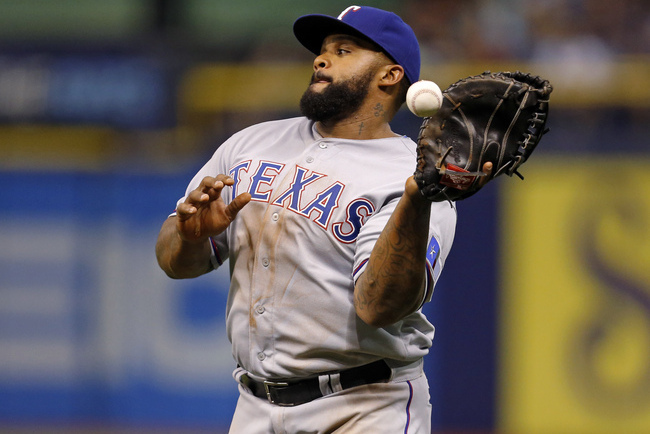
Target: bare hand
{"type": "Point", "coordinates": [204, 213]}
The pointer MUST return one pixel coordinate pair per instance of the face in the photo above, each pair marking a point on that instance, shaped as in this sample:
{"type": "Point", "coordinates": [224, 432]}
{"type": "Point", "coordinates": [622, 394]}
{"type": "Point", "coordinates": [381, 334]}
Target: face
{"type": "Point", "coordinates": [343, 74]}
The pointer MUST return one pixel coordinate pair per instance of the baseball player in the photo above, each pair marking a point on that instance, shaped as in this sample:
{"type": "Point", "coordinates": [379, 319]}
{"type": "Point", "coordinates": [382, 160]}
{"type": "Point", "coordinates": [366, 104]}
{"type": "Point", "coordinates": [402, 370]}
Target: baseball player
{"type": "Point", "coordinates": [332, 248]}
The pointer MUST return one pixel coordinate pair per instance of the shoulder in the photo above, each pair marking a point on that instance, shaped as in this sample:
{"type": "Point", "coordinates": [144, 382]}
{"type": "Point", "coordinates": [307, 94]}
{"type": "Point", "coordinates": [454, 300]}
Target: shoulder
{"type": "Point", "coordinates": [297, 129]}
{"type": "Point", "coordinates": [265, 139]}
{"type": "Point", "coordinates": [397, 146]}
{"type": "Point", "coordinates": [394, 155]}
{"type": "Point", "coordinates": [279, 126]}
{"type": "Point", "coordinates": [407, 144]}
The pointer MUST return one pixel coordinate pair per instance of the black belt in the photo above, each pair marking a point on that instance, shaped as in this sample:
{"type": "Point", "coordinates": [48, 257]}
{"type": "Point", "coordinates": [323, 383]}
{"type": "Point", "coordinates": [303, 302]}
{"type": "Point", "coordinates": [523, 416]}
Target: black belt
{"type": "Point", "coordinates": [296, 392]}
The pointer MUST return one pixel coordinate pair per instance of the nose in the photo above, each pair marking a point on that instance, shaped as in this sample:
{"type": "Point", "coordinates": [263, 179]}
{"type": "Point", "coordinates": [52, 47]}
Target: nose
{"type": "Point", "coordinates": [320, 62]}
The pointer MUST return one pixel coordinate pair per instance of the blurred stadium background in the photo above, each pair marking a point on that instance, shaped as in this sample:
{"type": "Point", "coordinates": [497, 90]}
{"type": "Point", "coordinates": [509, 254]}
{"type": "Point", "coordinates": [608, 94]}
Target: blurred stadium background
{"type": "Point", "coordinates": [108, 107]}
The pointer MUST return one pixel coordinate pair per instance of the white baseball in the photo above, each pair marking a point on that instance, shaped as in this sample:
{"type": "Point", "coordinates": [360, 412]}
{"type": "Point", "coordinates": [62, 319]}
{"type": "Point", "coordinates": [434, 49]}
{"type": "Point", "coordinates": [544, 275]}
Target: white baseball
{"type": "Point", "coordinates": [424, 98]}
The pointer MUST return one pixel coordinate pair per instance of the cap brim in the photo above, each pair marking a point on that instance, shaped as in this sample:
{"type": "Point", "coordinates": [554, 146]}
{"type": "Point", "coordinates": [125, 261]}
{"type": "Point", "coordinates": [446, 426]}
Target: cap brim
{"type": "Point", "coordinates": [311, 30]}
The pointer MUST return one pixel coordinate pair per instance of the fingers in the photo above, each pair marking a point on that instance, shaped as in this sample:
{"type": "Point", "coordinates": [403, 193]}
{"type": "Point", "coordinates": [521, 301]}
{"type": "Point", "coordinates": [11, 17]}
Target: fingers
{"type": "Point", "coordinates": [208, 190]}
{"type": "Point", "coordinates": [184, 210]}
{"type": "Point", "coordinates": [487, 169]}
{"type": "Point", "coordinates": [204, 213]}
{"type": "Point", "coordinates": [212, 186]}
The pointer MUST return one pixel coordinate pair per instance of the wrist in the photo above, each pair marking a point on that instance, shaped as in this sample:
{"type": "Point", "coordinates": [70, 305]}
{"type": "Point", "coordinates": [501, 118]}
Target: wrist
{"type": "Point", "coordinates": [415, 197]}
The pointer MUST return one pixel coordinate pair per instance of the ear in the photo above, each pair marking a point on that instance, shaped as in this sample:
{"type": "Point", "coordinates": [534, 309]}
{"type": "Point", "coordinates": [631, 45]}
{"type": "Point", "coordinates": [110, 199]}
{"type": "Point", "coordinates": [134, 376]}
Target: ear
{"type": "Point", "coordinates": [391, 75]}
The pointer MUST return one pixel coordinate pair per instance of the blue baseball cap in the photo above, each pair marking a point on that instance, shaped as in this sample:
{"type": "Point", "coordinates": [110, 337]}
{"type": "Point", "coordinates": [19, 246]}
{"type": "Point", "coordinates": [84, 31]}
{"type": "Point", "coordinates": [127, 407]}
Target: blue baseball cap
{"type": "Point", "coordinates": [384, 28]}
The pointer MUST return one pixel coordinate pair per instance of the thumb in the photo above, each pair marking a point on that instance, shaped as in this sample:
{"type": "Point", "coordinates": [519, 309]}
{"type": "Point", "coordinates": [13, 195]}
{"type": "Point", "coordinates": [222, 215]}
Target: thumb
{"type": "Point", "coordinates": [237, 204]}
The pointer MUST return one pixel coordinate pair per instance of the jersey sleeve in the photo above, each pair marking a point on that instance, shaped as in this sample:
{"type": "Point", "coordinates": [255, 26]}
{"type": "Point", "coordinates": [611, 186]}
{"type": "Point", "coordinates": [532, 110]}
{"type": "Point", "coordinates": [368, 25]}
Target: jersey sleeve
{"type": "Point", "coordinates": [442, 229]}
{"type": "Point", "coordinates": [368, 235]}
{"type": "Point", "coordinates": [442, 226]}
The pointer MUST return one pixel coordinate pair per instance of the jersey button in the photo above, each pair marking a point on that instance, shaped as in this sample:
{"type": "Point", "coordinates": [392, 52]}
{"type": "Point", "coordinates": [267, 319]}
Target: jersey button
{"type": "Point", "coordinates": [265, 262]}
{"type": "Point", "coordinates": [322, 145]}
{"type": "Point", "coordinates": [310, 159]}
{"type": "Point", "coordinates": [260, 309]}
{"type": "Point", "coordinates": [261, 356]}
{"type": "Point", "coordinates": [275, 216]}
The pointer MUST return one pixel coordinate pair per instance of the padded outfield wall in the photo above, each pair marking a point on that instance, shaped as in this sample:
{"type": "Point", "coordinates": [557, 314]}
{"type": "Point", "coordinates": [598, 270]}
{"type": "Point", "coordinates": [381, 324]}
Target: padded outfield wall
{"type": "Point", "coordinates": [541, 315]}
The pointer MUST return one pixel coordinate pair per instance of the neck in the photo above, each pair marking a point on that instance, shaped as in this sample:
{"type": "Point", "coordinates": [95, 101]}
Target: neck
{"type": "Point", "coordinates": [365, 124]}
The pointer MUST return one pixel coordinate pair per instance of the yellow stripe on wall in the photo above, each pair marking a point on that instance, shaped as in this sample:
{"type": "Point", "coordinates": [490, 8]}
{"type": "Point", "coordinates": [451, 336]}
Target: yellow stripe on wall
{"type": "Point", "coordinates": [216, 87]}
{"type": "Point", "coordinates": [56, 147]}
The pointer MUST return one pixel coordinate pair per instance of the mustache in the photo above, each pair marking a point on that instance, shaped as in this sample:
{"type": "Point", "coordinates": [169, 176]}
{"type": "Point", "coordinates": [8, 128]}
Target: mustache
{"type": "Point", "coordinates": [319, 76]}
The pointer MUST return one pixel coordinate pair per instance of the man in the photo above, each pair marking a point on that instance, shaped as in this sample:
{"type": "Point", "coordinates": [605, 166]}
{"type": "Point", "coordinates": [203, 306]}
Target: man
{"type": "Point", "coordinates": [332, 248]}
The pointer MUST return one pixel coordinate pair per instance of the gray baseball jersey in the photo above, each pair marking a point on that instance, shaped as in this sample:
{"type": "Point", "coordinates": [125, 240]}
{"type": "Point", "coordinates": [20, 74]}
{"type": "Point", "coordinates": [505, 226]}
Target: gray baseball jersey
{"type": "Point", "coordinates": [318, 206]}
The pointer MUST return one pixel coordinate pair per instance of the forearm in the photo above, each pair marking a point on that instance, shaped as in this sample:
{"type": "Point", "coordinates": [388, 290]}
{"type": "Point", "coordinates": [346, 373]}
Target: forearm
{"type": "Point", "coordinates": [393, 283]}
{"type": "Point", "coordinates": [178, 258]}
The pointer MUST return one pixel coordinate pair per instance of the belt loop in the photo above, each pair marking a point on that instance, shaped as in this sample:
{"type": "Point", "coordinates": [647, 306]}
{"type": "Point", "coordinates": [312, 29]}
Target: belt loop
{"type": "Point", "coordinates": [335, 382]}
{"type": "Point", "coordinates": [324, 385]}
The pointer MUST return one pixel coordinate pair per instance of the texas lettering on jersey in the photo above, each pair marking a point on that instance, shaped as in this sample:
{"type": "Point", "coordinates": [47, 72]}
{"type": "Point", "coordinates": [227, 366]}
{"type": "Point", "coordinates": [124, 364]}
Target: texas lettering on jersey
{"type": "Point", "coordinates": [318, 207]}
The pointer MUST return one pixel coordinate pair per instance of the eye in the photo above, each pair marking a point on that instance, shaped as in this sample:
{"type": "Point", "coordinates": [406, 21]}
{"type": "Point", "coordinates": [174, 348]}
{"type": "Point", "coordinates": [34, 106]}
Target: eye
{"type": "Point", "coordinates": [342, 51]}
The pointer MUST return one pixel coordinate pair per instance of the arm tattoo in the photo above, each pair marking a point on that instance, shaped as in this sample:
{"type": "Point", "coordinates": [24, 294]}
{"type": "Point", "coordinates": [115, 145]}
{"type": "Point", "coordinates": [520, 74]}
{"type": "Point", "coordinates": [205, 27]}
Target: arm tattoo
{"type": "Point", "coordinates": [394, 256]}
{"type": "Point", "coordinates": [361, 127]}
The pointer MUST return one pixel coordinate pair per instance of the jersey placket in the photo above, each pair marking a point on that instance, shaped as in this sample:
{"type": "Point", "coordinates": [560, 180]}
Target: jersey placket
{"type": "Point", "coordinates": [270, 269]}
{"type": "Point", "coordinates": [263, 290]}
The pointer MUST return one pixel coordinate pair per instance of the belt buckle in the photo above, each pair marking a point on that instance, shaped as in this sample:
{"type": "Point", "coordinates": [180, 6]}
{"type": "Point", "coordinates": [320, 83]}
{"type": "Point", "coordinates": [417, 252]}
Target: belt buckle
{"type": "Point", "coordinates": [268, 385]}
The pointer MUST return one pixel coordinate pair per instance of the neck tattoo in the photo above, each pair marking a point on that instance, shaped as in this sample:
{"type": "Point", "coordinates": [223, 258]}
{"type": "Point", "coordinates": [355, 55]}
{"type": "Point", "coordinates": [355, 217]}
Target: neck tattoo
{"type": "Point", "coordinates": [379, 110]}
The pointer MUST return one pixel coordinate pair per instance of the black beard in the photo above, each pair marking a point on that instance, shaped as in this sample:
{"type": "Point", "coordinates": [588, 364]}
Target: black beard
{"type": "Point", "coordinates": [337, 101]}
